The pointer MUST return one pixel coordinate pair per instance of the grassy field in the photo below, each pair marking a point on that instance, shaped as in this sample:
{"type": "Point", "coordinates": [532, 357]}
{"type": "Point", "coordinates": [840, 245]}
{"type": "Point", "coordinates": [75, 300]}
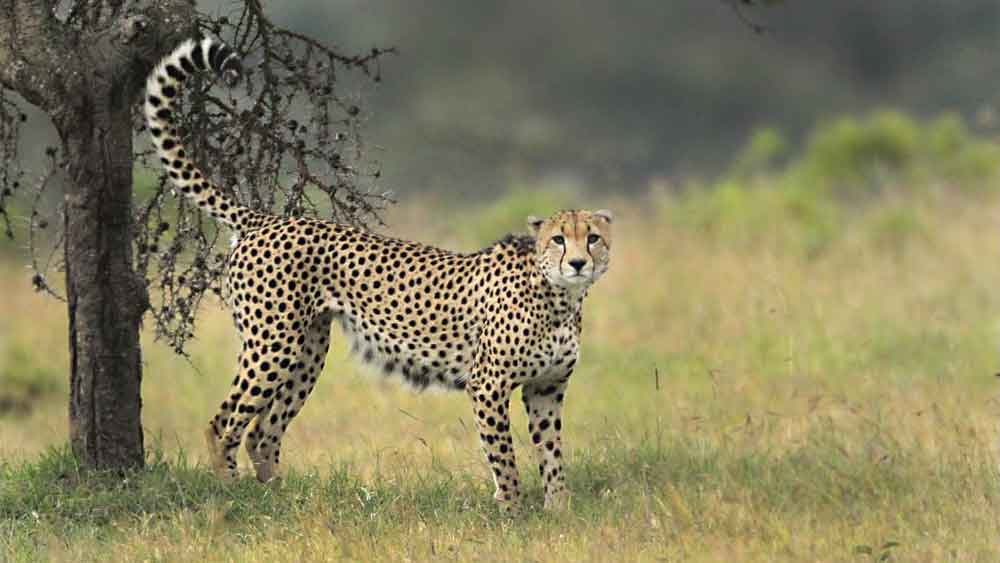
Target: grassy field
{"type": "Point", "coordinates": [744, 394]}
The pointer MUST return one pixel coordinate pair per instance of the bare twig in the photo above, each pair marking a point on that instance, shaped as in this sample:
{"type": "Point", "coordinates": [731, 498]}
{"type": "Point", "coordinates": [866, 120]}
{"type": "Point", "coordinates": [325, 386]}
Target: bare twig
{"type": "Point", "coordinates": [286, 141]}
{"type": "Point", "coordinates": [39, 222]}
{"type": "Point", "coordinates": [737, 7]}
{"type": "Point", "coordinates": [282, 138]}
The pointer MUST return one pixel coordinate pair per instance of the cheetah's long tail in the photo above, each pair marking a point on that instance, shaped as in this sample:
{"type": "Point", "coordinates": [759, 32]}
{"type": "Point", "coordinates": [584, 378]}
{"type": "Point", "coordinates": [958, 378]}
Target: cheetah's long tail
{"type": "Point", "coordinates": [162, 91]}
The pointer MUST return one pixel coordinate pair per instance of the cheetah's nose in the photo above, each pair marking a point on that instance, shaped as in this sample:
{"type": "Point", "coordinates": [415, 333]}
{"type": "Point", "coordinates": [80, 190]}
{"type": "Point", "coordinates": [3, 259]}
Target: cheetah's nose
{"type": "Point", "coordinates": [578, 264]}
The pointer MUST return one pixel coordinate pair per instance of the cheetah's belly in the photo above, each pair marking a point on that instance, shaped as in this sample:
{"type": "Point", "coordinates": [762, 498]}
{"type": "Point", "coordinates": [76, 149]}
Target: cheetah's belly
{"type": "Point", "coordinates": [422, 357]}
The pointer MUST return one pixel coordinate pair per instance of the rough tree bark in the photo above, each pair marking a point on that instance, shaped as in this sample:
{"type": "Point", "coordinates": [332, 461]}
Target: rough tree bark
{"type": "Point", "coordinates": [105, 300]}
{"type": "Point", "coordinates": [86, 78]}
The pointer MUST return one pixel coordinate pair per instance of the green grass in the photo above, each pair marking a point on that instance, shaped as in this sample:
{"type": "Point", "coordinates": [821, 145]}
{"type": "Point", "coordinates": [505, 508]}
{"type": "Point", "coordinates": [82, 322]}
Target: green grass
{"type": "Point", "coordinates": [733, 402]}
{"type": "Point", "coordinates": [670, 486]}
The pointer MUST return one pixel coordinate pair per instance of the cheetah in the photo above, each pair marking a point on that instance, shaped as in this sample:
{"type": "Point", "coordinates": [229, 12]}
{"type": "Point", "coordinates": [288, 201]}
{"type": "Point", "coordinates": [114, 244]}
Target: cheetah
{"type": "Point", "coordinates": [485, 323]}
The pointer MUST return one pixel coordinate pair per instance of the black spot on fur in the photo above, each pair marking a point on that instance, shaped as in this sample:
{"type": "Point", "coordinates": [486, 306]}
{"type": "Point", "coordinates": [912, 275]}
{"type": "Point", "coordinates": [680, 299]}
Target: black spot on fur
{"type": "Point", "coordinates": [175, 73]}
{"type": "Point", "coordinates": [213, 52]}
{"type": "Point", "coordinates": [220, 57]}
{"type": "Point", "coordinates": [523, 244]}
{"type": "Point", "coordinates": [186, 65]}
{"type": "Point", "coordinates": [198, 56]}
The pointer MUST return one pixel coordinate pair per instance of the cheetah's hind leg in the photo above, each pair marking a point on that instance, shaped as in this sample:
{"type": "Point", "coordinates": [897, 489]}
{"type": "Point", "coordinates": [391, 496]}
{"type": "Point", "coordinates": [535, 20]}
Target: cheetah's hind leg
{"type": "Point", "coordinates": [252, 392]}
{"type": "Point", "coordinates": [219, 428]}
{"type": "Point", "coordinates": [216, 455]}
{"type": "Point", "coordinates": [263, 441]}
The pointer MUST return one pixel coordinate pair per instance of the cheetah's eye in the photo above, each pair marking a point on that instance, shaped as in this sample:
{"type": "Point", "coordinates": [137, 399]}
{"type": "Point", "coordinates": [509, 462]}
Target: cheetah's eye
{"type": "Point", "coordinates": [558, 239]}
{"type": "Point", "coordinates": [593, 239]}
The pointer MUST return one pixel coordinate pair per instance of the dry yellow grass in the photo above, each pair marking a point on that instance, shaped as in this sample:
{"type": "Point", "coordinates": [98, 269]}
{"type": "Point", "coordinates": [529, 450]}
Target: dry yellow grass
{"type": "Point", "coordinates": [734, 401]}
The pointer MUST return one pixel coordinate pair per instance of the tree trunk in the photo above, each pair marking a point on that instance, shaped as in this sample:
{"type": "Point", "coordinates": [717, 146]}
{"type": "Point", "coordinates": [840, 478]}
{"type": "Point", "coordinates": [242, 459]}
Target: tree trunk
{"type": "Point", "coordinates": [106, 299]}
{"type": "Point", "coordinates": [86, 80]}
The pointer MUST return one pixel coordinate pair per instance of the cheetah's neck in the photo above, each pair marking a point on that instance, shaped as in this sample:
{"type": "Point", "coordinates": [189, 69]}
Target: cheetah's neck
{"type": "Point", "coordinates": [567, 301]}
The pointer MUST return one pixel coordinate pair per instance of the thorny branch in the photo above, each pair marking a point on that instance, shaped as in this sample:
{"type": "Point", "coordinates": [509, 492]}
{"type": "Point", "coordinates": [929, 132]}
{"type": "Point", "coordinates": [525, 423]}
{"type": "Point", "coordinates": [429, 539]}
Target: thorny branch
{"type": "Point", "coordinates": [285, 136]}
{"type": "Point", "coordinates": [38, 223]}
{"type": "Point", "coordinates": [286, 140]}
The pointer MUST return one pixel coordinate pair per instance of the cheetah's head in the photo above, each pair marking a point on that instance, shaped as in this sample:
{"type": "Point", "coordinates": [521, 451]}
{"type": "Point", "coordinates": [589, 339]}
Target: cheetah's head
{"type": "Point", "coordinates": [573, 248]}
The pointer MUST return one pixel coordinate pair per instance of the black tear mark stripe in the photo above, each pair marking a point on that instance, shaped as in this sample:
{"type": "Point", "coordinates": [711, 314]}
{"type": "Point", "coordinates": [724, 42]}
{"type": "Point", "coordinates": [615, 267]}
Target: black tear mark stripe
{"type": "Point", "coordinates": [562, 257]}
{"type": "Point", "coordinates": [587, 244]}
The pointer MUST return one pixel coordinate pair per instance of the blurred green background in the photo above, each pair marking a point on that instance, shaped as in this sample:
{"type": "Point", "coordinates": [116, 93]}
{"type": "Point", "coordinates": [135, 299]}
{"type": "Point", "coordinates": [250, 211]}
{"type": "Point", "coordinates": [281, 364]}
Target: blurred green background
{"type": "Point", "coordinates": [790, 359]}
{"type": "Point", "coordinates": [612, 95]}
{"type": "Point", "coordinates": [616, 97]}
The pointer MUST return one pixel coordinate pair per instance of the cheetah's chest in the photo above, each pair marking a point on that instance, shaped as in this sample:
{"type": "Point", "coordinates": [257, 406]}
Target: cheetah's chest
{"type": "Point", "coordinates": [560, 351]}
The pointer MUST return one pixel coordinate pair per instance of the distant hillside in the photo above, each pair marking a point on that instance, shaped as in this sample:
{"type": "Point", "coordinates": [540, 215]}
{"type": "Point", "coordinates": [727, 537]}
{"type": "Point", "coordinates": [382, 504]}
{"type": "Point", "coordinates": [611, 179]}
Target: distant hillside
{"type": "Point", "coordinates": [616, 92]}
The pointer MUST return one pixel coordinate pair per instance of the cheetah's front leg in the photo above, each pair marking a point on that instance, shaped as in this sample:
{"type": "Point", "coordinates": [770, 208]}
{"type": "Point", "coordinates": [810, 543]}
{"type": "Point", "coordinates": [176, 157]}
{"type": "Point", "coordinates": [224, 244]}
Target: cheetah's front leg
{"type": "Point", "coordinates": [490, 401]}
{"type": "Point", "coordinates": [543, 401]}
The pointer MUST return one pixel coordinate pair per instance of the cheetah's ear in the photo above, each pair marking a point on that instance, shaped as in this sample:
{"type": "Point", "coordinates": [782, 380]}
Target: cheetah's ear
{"type": "Point", "coordinates": [534, 224]}
{"type": "Point", "coordinates": [605, 214]}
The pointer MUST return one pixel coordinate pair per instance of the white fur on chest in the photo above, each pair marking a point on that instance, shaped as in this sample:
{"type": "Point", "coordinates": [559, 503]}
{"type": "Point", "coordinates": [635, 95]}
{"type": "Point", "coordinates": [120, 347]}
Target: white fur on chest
{"type": "Point", "coordinates": [562, 351]}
